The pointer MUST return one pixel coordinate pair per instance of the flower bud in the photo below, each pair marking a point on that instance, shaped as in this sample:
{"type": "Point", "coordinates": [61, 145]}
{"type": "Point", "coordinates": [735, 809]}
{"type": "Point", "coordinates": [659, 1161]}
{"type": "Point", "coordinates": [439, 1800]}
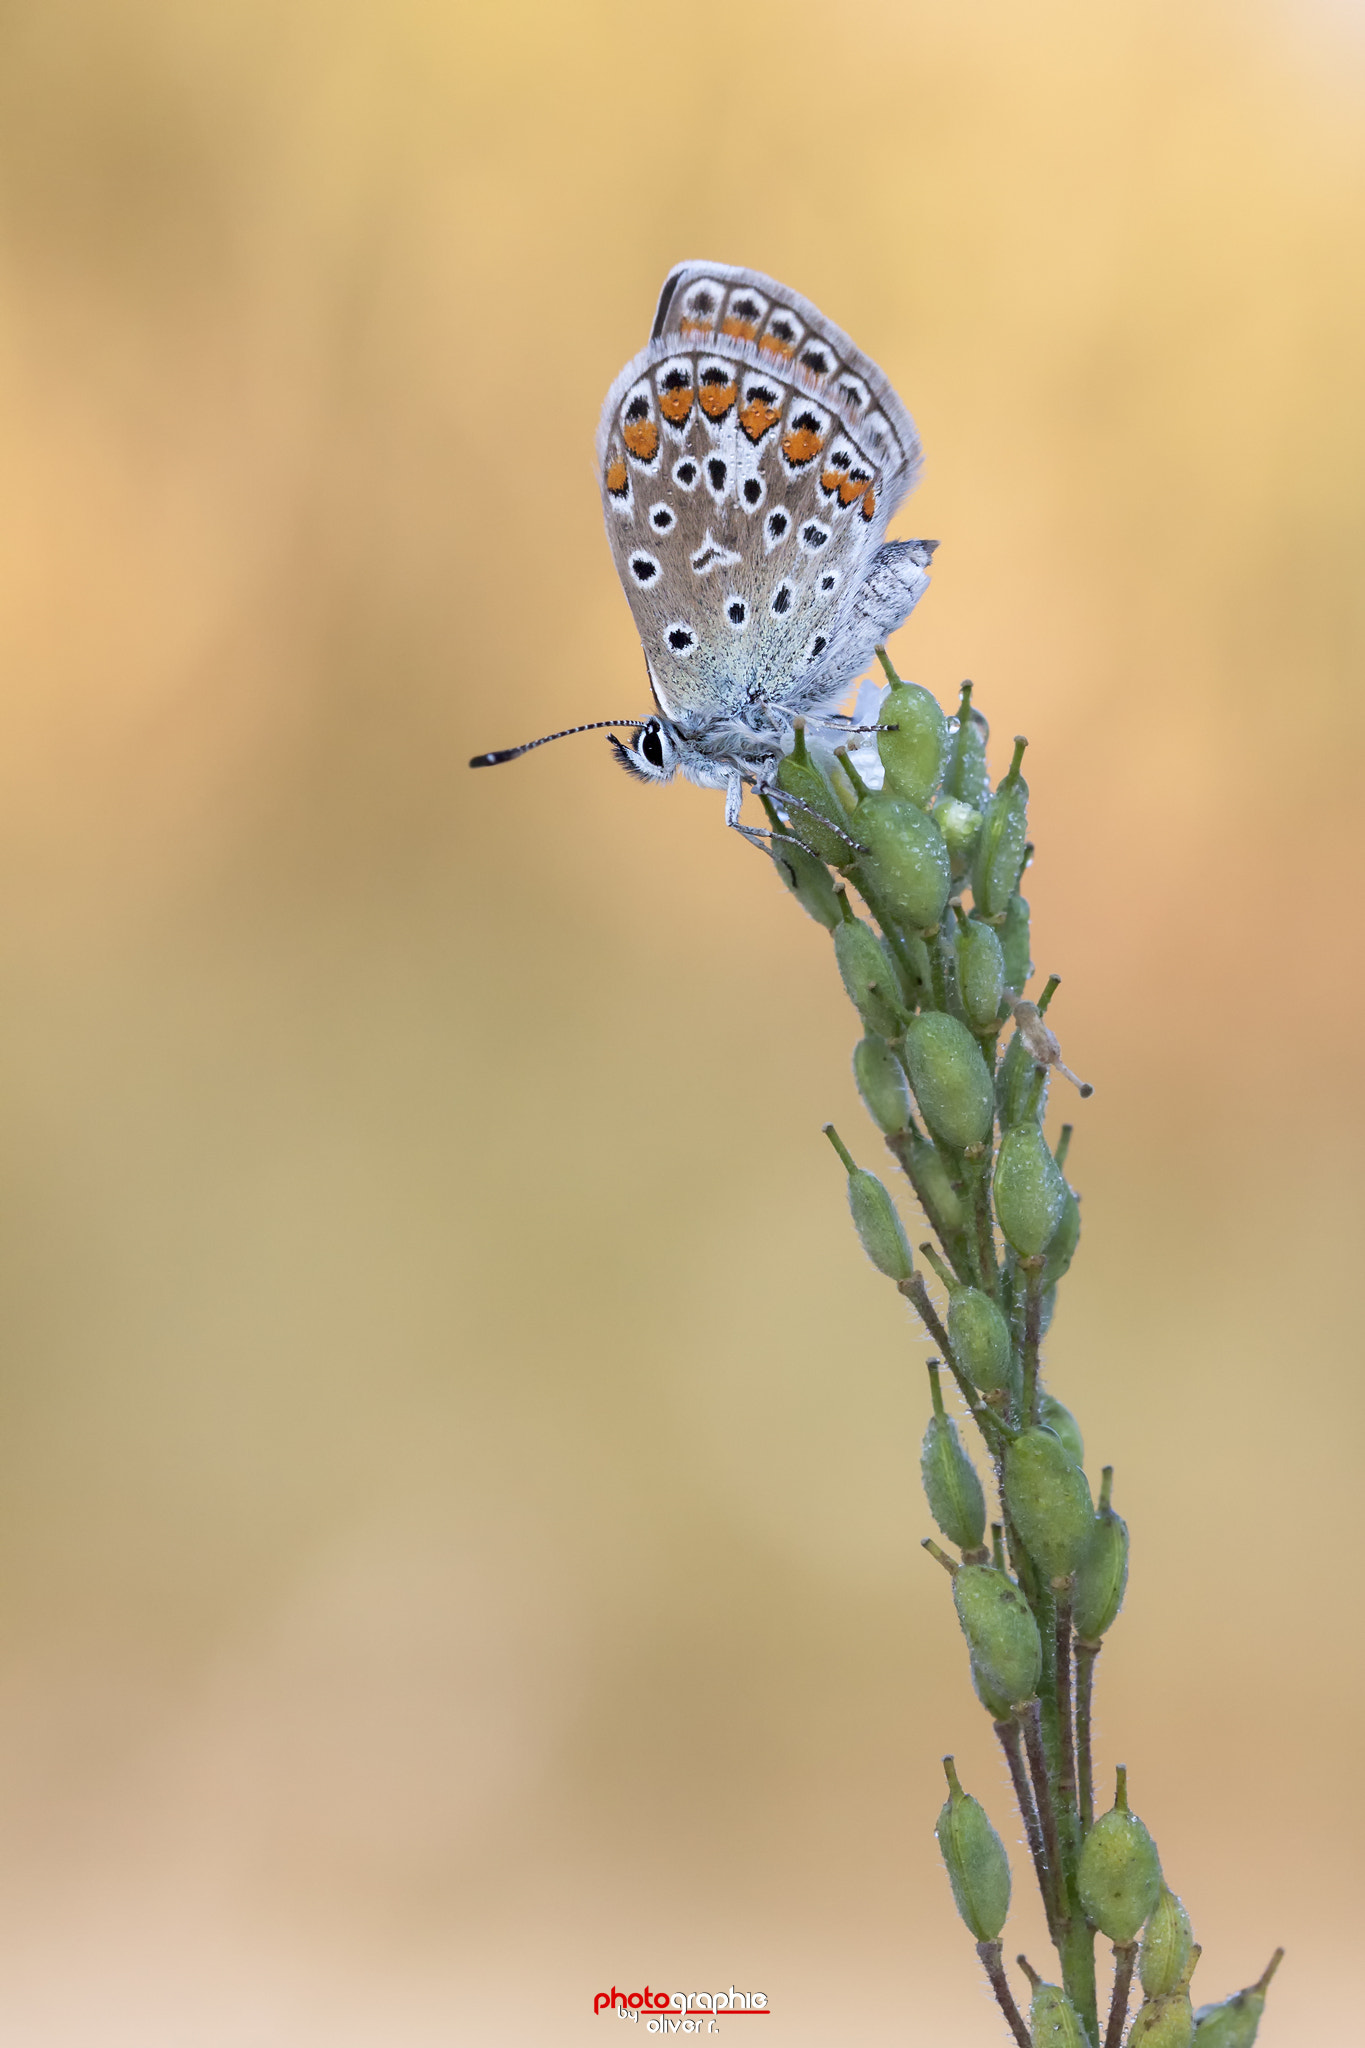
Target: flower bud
{"type": "Point", "coordinates": [906, 863]}
{"type": "Point", "coordinates": [966, 776]}
{"type": "Point", "coordinates": [808, 879]}
{"type": "Point", "coordinates": [951, 1485]}
{"type": "Point", "coordinates": [1102, 1574]}
{"type": "Point", "coordinates": [980, 1338]}
{"type": "Point", "coordinates": [980, 974]}
{"type": "Point", "coordinates": [951, 1080]}
{"type": "Point", "coordinates": [1053, 2019]}
{"type": "Point", "coordinates": [1014, 943]}
{"type": "Point", "coordinates": [974, 1856]}
{"type": "Point", "coordinates": [875, 1217]}
{"type": "Point", "coordinates": [1030, 1193]}
{"type": "Point", "coordinates": [1167, 1946]}
{"type": "Point", "coordinates": [1061, 1246]}
{"type": "Point", "coordinates": [1164, 2022]}
{"type": "Point", "coordinates": [1119, 1872]}
{"type": "Point", "coordinates": [1001, 1632]}
{"type": "Point", "coordinates": [1018, 1098]}
{"type": "Point", "coordinates": [869, 975]}
{"type": "Point", "coordinates": [1233, 2024]}
{"type": "Point", "coordinates": [929, 1172]}
{"type": "Point", "coordinates": [1049, 1502]}
{"type": "Point", "coordinates": [882, 1084]}
{"type": "Point", "coordinates": [999, 853]}
{"type": "Point", "coordinates": [960, 826]}
{"type": "Point", "coordinates": [799, 776]}
{"type": "Point", "coordinates": [913, 754]}
{"type": "Point", "coordinates": [1063, 1423]}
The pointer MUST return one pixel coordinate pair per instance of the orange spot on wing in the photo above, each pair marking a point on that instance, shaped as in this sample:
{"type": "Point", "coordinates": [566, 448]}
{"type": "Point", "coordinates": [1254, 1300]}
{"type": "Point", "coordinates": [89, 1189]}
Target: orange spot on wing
{"type": "Point", "coordinates": [716, 399]}
{"type": "Point", "coordinates": [800, 444]}
{"type": "Point", "coordinates": [773, 347]}
{"type": "Point", "coordinates": [742, 330]}
{"type": "Point", "coordinates": [676, 405]}
{"type": "Point", "coordinates": [686, 326]}
{"type": "Point", "coordinates": [642, 438]}
{"type": "Point", "coordinates": [869, 502]}
{"type": "Point", "coordinates": [850, 488]}
{"type": "Point", "coordinates": [757, 416]}
{"type": "Point", "coordinates": [616, 478]}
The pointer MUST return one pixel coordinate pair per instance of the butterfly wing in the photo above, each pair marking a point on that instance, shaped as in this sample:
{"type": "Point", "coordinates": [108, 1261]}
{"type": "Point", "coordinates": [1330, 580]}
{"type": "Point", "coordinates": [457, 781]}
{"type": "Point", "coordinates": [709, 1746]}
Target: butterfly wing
{"type": "Point", "coordinates": [750, 458]}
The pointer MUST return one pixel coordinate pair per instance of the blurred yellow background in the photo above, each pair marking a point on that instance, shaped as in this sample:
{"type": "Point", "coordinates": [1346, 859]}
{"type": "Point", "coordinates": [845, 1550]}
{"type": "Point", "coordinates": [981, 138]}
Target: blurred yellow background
{"type": "Point", "coordinates": [458, 1479]}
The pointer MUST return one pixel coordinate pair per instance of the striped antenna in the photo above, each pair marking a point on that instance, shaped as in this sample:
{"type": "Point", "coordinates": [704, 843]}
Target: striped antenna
{"type": "Point", "coordinates": [511, 753]}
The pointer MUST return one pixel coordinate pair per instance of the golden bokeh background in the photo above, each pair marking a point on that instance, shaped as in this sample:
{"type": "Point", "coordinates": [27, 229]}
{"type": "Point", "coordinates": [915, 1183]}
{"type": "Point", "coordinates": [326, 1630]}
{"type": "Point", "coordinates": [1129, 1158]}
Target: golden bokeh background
{"type": "Point", "coordinates": [458, 1479]}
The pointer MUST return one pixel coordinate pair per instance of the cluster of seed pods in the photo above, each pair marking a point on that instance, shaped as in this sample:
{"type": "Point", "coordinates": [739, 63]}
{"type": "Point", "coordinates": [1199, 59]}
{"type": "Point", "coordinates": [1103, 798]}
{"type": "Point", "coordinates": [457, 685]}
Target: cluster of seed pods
{"type": "Point", "coordinates": [955, 1068]}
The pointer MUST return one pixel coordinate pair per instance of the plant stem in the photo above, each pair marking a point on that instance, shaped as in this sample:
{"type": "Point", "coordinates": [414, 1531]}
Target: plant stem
{"type": "Point", "coordinates": [1027, 1716]}
{"type": "Point", "coordinates": [989, 1952]}
{"type": "Point", "coordinates": [1125, 1956]}
{"type": "Point", "coordinates": [1012, 1744]}
{"type": "Point", "coordinates": [1033, 1316]}
{"type": "Point", "coordinates": [915, 1290]}
{"type": "Point", "coordinates": [985, 1233]}
{"type": "Point", "coordinates": [1066, 1744]}
{"type": "Point", "coordinates": [1086, 1653]}
{"type": "Point", "coordinates": [901, 1145]}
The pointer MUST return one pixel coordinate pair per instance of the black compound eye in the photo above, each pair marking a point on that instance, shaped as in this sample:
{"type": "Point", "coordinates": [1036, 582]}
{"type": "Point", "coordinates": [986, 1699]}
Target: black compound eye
{"type": "Point", "coordinates": [652, 746]}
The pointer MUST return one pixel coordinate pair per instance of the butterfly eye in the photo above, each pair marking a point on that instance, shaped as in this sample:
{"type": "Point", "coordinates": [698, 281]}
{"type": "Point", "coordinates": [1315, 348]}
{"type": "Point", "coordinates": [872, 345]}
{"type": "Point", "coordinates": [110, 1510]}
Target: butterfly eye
{"type": "Point", "coordinates": [652, 746]}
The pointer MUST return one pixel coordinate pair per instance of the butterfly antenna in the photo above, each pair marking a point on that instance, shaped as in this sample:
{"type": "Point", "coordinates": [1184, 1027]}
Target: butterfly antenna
{"type": "Point", "coordinates": [511, 753]}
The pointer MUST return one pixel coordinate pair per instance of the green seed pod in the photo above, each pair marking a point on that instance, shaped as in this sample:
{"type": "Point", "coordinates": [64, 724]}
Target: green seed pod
{"type": "Point", "coordinates": [1063, 1423]}
{"type": "Point", "coordinates": [929, 1172]}
{"type": "Point", "coordinates": [799, 776]}
{"type": "Point", "coordinates": [1119, 1873]}
{"type": "Point", "coordinates": [1014, 943]}
{"type": "Point", "coordinates": [869, 976]}
{"type": "Point", "coordinates": [808, 879]}
{"type": "Point", "coordinates": [1016, 1080]}
{"type": "Point", "coordinates": [980, 1338]}
{"type": "Point", "coordinates": [1102, 1574]}
{"type": "Point", "coordinates": [951, 1485]}
{"type": "Point", "coordinates": [1233, 2024]}
{"type": "Point", "coordinates": [980, 974]}
{"type": "Point", "coordinates": [882, 1085]}
{"type": "Point", "coordinates": [1167, 1946]}
{"type": "Point", "coordinates": [974, 1856]}
{"type": "Point", "coordinates": [913, 755]}
{"type": "Point", "coordinates": [1061, 1246]}
{"type": "Point", "coordinates": [1164, 2022]}
{"type": "Point", "coordinates": [1053, 2019]}
{"type": "Point", "coordinates": [906, 864]}
{"type": "Point", "coordinates": [1030, 1193]}
{"type": "Point", "coordinates": [951, 1080]}
{"type": "Point", "coordinates": [1049, 1502]}
{"type": "Point", "coordinates": [966, 776]}
{"type": "Point", "coordinates": [961, 827]}
{"type": "Point", "coordinates": [1001, 1632]}
{"type": "Point", "coordinates": [874, 1217]}
{"type": "Point", "coordinates": [1000, 849]}
{"type": "Point", "coordinates": [996, 1707]}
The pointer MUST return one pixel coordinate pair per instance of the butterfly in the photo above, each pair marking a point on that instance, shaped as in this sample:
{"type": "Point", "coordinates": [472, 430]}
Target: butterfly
{"type": "Point", "coordinates": [750, 458]}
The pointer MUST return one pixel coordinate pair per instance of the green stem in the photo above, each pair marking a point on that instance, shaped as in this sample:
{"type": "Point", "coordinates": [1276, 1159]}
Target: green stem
{"type": "Point", "coordinates": [901, 1145]}
{"type": "Point", "coordinates": [1086, 1653]}
{"type": "Point", "coordinates": [993, 1430]}
{"type": "Point", "coordinates": [1033, 1310]}
{"type": "Point", "coordinates": [1066, 1741]}
{"type": "Point", "coordinates": [985, 1229]}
